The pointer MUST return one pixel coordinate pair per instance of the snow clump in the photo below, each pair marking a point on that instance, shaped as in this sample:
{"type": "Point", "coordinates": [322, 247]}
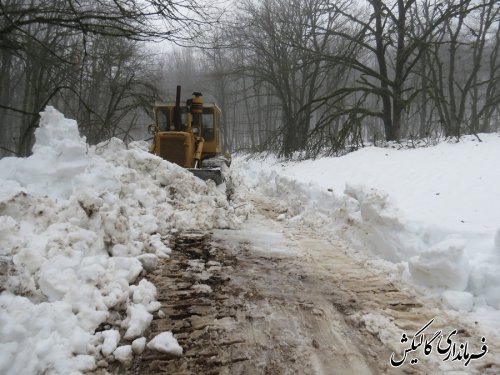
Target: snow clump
{"type": "Point", "coordinates": [165, 342]}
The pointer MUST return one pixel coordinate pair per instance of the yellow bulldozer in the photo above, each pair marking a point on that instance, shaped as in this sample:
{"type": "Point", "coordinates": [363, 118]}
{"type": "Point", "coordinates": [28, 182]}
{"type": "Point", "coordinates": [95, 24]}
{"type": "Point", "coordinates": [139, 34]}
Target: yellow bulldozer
{"type": "Point", "coordinates": [188, 135]}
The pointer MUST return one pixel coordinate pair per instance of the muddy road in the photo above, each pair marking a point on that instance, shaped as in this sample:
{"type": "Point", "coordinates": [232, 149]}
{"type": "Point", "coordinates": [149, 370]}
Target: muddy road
{"type": "Point", "coordinates": [277, 299]}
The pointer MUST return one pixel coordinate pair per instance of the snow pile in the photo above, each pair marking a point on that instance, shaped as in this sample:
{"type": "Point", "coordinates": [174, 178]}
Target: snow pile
{"type": "Point", "coordinates": [59, 155]}
{"type": "Point", "coordinates": [80, 225]}
{"type": "Point", "coordinates": [432, 211]}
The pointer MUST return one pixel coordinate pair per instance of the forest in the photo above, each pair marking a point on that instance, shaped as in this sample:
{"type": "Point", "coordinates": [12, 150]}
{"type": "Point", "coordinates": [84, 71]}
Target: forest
{"type": "Point", "coordinates": [292, 77]}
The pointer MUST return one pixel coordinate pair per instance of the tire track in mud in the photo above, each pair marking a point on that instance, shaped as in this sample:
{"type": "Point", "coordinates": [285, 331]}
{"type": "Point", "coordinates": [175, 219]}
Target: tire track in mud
{"type": "Point", "coordinates": [239, 306]}
{"type": "Point", "coordinates": [376, 309]}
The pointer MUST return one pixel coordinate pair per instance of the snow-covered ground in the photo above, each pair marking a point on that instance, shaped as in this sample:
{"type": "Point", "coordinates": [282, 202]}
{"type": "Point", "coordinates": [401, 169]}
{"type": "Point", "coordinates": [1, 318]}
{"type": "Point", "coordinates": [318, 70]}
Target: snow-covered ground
{"type": "Point", "coordinates": [81, 227]}
{"type": "Point", "coordinates": [432, 214]}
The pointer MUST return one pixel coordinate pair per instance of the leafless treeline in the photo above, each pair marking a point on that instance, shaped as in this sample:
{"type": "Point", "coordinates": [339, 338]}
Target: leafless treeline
{"type": "Point", "coordinates": [325, 76]}
{"type": "Point", "coordinates": [87, 58]}
{"type": "Point", "coordinates": [290, 75]}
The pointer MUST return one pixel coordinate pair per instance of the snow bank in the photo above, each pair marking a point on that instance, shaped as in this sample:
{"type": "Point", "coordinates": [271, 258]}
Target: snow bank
{"type": "Point", "coordinates": [79, 226]}
{"type": "Point", "coordinates": [443, 265]}
{"type": "Point", "coordinates": [433, 211]}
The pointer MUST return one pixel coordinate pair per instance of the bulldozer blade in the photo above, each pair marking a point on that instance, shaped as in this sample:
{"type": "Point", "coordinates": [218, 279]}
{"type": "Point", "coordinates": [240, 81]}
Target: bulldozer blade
{"type": "Point", "coordinates": [205, 174]}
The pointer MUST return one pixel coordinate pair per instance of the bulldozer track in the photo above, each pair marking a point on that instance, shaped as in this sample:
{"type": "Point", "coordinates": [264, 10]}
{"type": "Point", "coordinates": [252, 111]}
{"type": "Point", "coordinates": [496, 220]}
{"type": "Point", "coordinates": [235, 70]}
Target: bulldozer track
{"type": "Point", "coordinates": [192, 289]}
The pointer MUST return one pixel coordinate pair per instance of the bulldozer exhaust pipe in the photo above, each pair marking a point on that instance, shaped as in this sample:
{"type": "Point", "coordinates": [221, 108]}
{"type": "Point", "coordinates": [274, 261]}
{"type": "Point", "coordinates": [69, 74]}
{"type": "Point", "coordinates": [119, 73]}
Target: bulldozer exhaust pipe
{"type": "Point", "coordinates": [177, 110]}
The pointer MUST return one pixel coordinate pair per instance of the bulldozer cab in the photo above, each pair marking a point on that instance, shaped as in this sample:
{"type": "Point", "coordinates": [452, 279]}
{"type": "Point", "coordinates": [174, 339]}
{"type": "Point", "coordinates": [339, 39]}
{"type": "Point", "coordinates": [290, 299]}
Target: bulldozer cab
{"type": "Point", "coordinates": [206, 128]}
{"type": "Point", "coordinates": [185, 136]}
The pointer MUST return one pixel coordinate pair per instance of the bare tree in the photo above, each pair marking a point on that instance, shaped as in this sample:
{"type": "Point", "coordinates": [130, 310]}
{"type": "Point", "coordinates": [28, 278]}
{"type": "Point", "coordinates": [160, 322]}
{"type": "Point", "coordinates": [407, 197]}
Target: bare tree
{"type": "Point", "coordinates": [112, 86]}
{"type": "Point", "coordinates": [391, 36]}
{"type": "Point", "coordinates": [456, 66]}
{"type": "Point", "coordinates": [283, 42]}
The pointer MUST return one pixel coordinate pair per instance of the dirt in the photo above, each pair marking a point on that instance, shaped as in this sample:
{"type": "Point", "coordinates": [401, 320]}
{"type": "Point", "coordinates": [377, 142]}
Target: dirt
{"type": "Point", "coordinates": [291, 303]}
